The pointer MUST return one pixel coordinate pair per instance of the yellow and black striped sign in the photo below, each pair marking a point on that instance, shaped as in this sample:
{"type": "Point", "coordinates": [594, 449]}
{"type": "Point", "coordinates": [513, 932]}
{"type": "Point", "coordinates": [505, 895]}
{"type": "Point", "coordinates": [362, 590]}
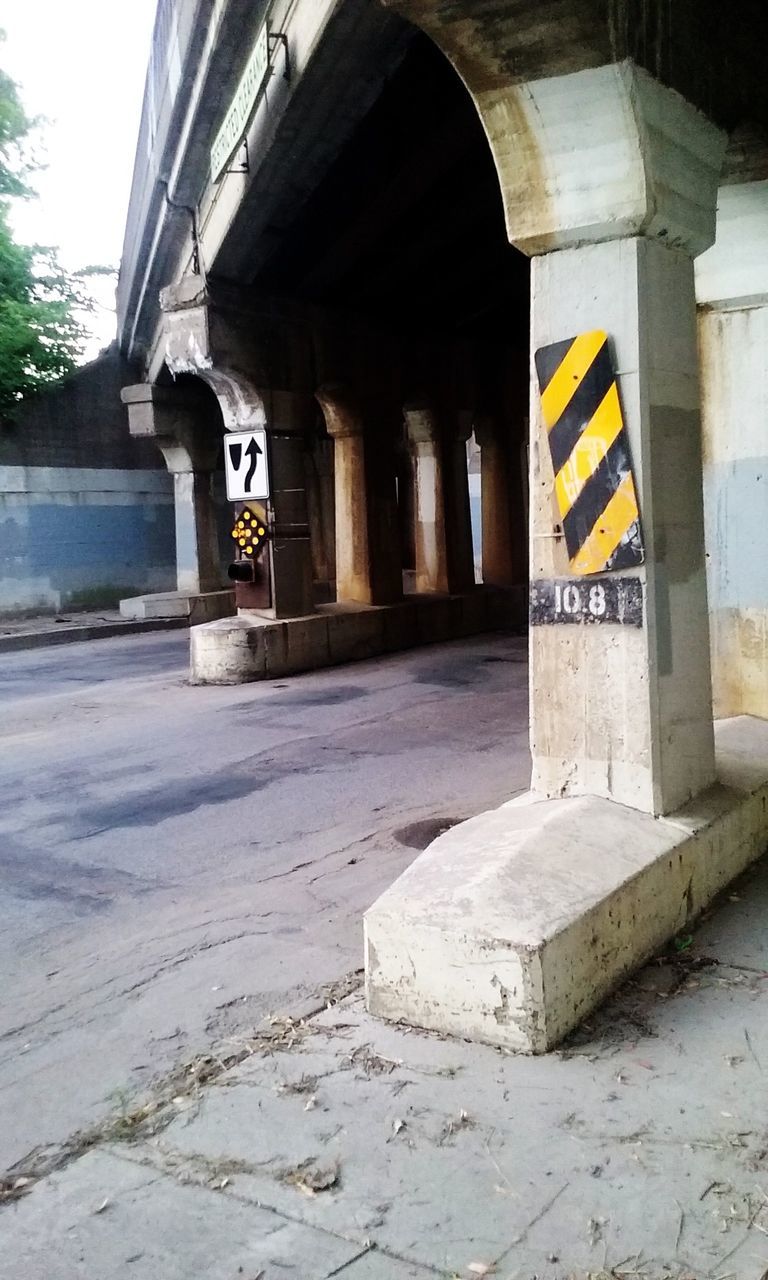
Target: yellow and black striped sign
{"type": "Point", "coordinates": [590, 454]}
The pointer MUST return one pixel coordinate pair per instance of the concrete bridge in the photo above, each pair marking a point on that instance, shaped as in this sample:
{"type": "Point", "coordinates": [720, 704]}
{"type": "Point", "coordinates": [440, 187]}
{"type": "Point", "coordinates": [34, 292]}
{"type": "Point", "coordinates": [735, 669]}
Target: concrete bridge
{"type": "Point", "coordinates": [361, 231]}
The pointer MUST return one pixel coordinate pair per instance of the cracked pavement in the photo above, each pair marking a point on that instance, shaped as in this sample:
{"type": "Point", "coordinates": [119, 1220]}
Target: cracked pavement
{"type": "Point", "coordinates": [177, 863]}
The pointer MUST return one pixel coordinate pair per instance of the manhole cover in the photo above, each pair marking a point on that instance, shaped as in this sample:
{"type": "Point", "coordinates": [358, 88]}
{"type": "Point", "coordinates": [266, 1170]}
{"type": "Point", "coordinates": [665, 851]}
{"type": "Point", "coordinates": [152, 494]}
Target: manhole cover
{"type": "Point", "coordinates": [417, 835]}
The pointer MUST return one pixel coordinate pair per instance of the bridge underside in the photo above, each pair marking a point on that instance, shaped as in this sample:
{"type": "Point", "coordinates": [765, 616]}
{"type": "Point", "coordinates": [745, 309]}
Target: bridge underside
{"type": "Point", "coordinates": [557, 254]}
{"type": "Point", "coordinates": [383, 342]}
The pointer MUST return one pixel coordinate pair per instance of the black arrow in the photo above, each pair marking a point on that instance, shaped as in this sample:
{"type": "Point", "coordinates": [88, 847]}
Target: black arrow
{"type": "Point", "coordinates": [253, 452]}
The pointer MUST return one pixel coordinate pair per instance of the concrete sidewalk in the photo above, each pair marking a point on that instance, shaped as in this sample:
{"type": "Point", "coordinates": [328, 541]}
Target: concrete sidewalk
{"type": "Point", "coordinates": [328, 1144]}
{"type": "Point", "coordinates": [42, 630]}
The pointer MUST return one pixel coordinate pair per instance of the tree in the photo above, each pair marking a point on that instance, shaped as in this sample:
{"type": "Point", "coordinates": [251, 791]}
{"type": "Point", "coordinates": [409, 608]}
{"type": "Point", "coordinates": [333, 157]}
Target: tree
{"type": "Point", "coordinates": [42, 306]}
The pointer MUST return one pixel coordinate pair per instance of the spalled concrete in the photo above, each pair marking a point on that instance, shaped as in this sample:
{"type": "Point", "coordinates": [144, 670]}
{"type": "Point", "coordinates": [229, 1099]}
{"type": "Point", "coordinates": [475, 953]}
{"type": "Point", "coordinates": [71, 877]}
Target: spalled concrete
{"type": "Point", "coordinates": [513, 926]}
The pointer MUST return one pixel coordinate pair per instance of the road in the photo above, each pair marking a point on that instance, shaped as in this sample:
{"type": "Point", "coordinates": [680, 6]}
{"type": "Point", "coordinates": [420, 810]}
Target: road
{"type": "Point", "coordinates": [178, 862]}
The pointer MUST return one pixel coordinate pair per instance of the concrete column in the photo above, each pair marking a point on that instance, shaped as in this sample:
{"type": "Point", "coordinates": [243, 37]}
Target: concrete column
{"type": "Point", "coordinates": [517, 923]}
{"type": "Point", "coordinates": [505, 535]}
{"type": "Point", "coordinates": [617, 710]}
{"type": "Point", "coordinates": [625, 711]}
{"type": "Point", "coordinates": [627, 200]}
{"type": "Point", "coordinates": [320, 504]}
{"type": "Point", "coordinates": [368, 568]}
{"type": "Point", "coordinates": [732, 290]}
{"type": "Point", "coordinates": [461, 560]}
{"type": "Point", "coordinates": [443, 531]}
{"type": "Point", "coordinates": [189, 442]}
{"type": "Point", "coordinates": [290, 548]}
{"type": "Point", "coordinates": [257, 358]}
{"type": "Point", "coordinates": [431, 552]}
{"type": "Point", "coordinates": [198, 567]}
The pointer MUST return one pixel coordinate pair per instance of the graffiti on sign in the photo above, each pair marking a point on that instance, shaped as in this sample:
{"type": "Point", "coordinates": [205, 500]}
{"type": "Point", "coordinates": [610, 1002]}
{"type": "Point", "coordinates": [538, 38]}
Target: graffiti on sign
{"type": "Point", "coordinates": [589, 447]}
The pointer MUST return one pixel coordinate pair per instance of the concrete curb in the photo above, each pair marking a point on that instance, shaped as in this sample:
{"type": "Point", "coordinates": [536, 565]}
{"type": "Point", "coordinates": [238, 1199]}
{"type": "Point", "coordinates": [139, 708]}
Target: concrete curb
{"type": "Point", "coordinates": [94, 631]}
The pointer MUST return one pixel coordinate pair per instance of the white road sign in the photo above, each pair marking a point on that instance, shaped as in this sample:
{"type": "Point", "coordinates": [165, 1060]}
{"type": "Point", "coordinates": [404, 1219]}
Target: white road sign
{"type": "Point", "coordinates": [245, 465]}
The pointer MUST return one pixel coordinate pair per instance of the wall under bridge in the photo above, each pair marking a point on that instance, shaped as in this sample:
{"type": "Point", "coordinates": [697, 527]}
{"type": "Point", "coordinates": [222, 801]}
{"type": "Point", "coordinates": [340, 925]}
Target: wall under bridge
{"type": "Point", "coordinates": [86, 514]}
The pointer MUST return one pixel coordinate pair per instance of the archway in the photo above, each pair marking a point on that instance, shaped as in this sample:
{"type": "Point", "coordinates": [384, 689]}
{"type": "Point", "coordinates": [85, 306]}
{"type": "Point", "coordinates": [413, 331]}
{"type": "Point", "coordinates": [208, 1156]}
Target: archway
{"type": "Point", "coordinates": [404, 241]}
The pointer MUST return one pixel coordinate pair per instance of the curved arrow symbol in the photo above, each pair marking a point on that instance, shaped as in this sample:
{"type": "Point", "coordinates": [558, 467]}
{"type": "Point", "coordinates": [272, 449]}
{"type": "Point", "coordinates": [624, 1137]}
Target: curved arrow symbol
{"type": "Point", "coordinates": [253, 452]}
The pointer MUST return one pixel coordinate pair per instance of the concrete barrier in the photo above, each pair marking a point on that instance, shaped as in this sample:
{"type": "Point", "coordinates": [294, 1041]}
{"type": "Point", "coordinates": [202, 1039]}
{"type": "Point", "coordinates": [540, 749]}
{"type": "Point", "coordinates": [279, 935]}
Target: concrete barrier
{"type": "Point", "coordinates": [249, 647]}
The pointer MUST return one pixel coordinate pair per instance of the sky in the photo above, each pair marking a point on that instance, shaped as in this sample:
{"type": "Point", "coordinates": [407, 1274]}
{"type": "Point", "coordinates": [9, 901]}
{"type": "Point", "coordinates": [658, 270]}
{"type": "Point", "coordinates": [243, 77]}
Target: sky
{"type": "Point", "coordinates": [81, 64]}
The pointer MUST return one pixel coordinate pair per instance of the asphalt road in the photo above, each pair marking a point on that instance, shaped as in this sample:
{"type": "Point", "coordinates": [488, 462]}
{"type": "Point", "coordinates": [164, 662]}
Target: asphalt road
{"type": "Point", "coordinates": [178, 862]}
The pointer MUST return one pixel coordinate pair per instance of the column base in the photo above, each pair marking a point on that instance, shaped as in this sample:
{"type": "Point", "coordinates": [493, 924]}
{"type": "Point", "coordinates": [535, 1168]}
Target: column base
{"type": "Point", "coordinates": [515, 925]}
{"type": "Point", "coordinates": [199, 607]}
{"type": "Point", "coordinates": [251, 647]}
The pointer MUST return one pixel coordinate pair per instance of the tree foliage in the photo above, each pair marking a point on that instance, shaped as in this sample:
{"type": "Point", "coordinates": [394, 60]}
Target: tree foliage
{"type": "Point", "coordinates": [42, 306]}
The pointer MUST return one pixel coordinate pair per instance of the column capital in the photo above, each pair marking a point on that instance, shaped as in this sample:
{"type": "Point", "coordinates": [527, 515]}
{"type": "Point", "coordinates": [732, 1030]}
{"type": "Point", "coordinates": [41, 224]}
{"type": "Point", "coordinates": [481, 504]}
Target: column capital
{"type": "Point", "coordinates": [341, 410]}
{"type": "Point", "coordinates": [421, 425]}
{"type": "Point", "coordinates": [425, 423]}
{"type": "Point", "coordinates": [603, 154]}
{"type": "Point", "coordinates": [733, 274]}
{"type": "Point", "coordinates": [488, 429]}
{"type": "Point", "coordinates": [239, 342]}
{"type": "Point", "coordinates": [172, 417]}
{"type": "Point", "coordinates": [587, 149]}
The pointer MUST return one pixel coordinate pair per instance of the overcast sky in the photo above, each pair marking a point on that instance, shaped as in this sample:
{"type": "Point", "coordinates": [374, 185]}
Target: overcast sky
{"type": "Point", "coordinates": [80, 63]}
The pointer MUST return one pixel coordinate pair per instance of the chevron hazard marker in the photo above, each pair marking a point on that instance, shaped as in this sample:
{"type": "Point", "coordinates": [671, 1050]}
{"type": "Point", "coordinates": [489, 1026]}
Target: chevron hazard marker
{"type": "Point", "coordinates": [588, 443]}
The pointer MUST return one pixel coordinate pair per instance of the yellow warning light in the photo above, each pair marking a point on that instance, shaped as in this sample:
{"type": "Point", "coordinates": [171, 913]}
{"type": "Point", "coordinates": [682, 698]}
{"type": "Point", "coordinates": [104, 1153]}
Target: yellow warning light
{"type": "Point", "coordinates": [249, 551]}
{"type": "Point", "coordinates": [261, 532]}
{"type": "Point", "coordinates": [241, 541]}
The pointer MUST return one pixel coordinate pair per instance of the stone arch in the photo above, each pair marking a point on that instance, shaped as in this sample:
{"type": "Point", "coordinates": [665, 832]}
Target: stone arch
{"type": "Point", "coordinates": [178, 415]}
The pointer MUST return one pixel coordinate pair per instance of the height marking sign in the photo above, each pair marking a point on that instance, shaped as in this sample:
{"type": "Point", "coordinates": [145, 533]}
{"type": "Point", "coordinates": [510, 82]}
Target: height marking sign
{"type": "Point", "coordinates": [245, 465]}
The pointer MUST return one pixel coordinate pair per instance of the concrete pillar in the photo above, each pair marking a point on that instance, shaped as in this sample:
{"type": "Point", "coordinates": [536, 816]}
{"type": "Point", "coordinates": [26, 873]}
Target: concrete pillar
{"type": "Point", "coordinates": [625, 711]}
{"type": "Point", "coordinates": [461, 560]}
{"type": "Point", "coordinates": [443, 531]}
{"type": "Point", "coordinates": [368, 567]}
{"type": "Point", "coordinates": [189, 442]}
{"type": "Point", "coordinates": [431, 552]}
{"type": "Point", "coordinates": [618, 710]}
{"type": "Point", "coordinates": [320, 504]}
{"type": "Point", "coordinates": [505, 536]}
{"type": "Point", "coordinates": [517, 923]}
{"type": "Point", "coordinates": [198, 567]}
{"type": "Point", "coordinates": [256, 356]}
{"type": "Point", "coordinates": [732, 290]}
{"type": "Point", "coordinates": [290, 547]}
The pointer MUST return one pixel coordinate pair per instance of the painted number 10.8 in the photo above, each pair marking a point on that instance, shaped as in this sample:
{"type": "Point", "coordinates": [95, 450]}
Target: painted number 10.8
{"type": "Point", "coordinates": [569, 599]}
